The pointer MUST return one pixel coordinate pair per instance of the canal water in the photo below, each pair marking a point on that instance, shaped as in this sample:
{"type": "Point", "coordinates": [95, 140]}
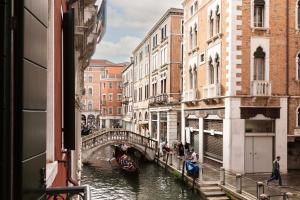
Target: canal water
{"type": "Point", "coordinates": [151, 183]}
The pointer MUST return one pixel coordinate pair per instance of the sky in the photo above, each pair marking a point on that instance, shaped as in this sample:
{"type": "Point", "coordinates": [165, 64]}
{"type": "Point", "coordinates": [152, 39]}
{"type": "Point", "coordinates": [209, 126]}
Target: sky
{"type": "Point", "coordinates": [128, 21]}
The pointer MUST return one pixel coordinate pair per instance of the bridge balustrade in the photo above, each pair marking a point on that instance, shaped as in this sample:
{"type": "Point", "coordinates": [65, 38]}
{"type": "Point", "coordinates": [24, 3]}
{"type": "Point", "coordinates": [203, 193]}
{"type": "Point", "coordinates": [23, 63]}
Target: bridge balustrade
{"type": "Point", "coordinates": [118, 136]}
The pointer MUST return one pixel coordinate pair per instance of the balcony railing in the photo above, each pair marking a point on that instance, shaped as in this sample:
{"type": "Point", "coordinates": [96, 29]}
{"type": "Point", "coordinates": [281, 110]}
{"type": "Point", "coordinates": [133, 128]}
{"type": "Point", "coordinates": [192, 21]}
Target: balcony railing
{"type": "Point", "coordinates": [212, 91]}
{"type": "Point", "coordinates": [69, 193]}
{"type": "Point", "coordinates": [191, 95]}
{"type": "Point", "coordinates": [160, 99]}
{"type": "Point", "coordinates": [261, 88]}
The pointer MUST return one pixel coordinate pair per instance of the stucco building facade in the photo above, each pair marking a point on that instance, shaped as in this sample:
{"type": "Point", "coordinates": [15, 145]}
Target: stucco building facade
{"type": "Point", "coordinates": [157, 63]}
{"type": "Point", "coordinates": [103, 94]}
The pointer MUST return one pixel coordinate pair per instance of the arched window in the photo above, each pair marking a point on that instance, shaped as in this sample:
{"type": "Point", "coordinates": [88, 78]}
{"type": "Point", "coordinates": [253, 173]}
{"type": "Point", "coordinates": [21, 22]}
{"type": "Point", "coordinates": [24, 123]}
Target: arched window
{"type": "Point", "coordinates": [191, 77]}
{"type": "Point", "coordinates": [259, 13]}
{"type": "Point", "coordinates": [195, 76]}
{"type": "Point", "coordinates": [140, 116]}
{"type": "Point", "coordinates": [217, 61]}
{"type": "Point", "coordinates": [211, 71]}
{"type": "Point", "coordinates": [298, 67]}
{"type": "Point", "coordinates": [298, 14]}
{"type": "Point", "coordinates": [191, 37]}
{"type": "Point", "coordinates": [259, 64]}
{"type": "Point", "coordinates": [196, 34]}
{"type": "Point", "coordinates": [298, 117]}
{"type": "Point", "coordinates": [146, 116]}
{"type": "Point", "coordinates": [211, 24]}
{"type": "Point", "coordinates": [218, 18]}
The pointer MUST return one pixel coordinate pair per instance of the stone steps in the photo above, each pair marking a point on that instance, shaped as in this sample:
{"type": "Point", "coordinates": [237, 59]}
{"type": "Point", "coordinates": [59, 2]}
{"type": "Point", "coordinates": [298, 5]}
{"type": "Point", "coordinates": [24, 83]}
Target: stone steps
{"type": "Point", "coordinates": [214, 193]}
{"type": "Point", "coordinates": [218, 198]}
{"type": "Point", "coordinates": [210, 189]}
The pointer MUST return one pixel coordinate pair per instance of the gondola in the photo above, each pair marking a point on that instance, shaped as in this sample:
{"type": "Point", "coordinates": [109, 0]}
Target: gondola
{"type": "Point", "coordinates": [125, 162]}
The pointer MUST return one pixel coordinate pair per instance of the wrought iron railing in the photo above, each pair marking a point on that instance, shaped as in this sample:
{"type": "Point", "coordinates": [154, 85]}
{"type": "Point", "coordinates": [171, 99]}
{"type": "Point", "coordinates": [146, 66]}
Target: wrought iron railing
{"type": "Point", "coordinates": [69, 193]}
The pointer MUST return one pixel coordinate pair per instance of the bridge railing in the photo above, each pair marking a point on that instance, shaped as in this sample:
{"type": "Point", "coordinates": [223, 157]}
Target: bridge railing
{"type": "Point", "coordinates": [117, 135]}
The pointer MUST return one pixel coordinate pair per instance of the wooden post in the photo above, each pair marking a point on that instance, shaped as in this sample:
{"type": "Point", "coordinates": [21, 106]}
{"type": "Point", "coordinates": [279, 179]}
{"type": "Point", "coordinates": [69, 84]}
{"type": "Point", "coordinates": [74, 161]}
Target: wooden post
{"type": "Point", "coordinates": [260, 189]}
{"type": "Point", "coordinates": [239, 183]}
{"type": "Point", "coordinates": [182, 171]}
{"type": "Point", "coordinates": [166, 164]}
{"type": "Point", "coordinates": [157, 157]}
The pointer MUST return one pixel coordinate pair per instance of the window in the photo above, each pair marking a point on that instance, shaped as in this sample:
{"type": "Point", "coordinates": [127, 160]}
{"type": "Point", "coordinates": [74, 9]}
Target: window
{"type": "Point", "coordinates": [103, 97]}
{"type": "Point", "coordinates": [104, 111]}
{"type": "Point", "coordinates": [110, 97]}
{"type": "Point", "coordinates": [192, 10]}
{"type": "Point", "coordinates": [164, 33]}
{"type": "Point", "coordinates": [196, 6]}
{"type": "Point", "coordinates": [260, 126]}
{"type": "Point", "coordinates": [90, 91]}
{"type": "Point", "coordinates": [202, 58]}
{"type": "Point", "coordinates": [154, 41]}
{"type": "Point", "coordinates": [195, 76]}
{"type": "Point", "coordinates": [191, 37]}
{"type": "Point", "coordinates": [154, 89]}
{"type": "Point", "coordinates": [110, 112]}
{"type": "Point", "coordinates": [155, 64]}
{"type": "Point", "coordinates": [259, 64]}
{"type": "Point", "coordinates": [217, 61]}
{"type": "Point", "coordinates": [90, 79]}
{"type": "Point", "coordinates": [103, 85]}
{"type": "Point", "coordinates": [119, 97]}
{"type": "Point", "coordinates": [146, 91]}
{"type": "Point", "coordinates": [141, 56]}
{"type": "Point", "coordinates": [211, 24]}
{"type": "Point", "coordinates": [191, 78]}
{"type": "Point", "coordinates": [218, 18]}
{"type": "Point", "coordinates": [298, 14]}
{"type": "Point", "coordinates": [119, 111]}
{"type": "Point", "coordinates": [110, 84]}
{"type": "Point", "coordinates": [211, 72]}
{"type": "Point", "coordinates": [164, 56]}
{"type": "Point", "coordinates": [259, 12]}
{"type": "Point", "coordinates": [195, 35]}
{"type": "Point", "coordinates": [298, 67]}
{"type": "Point", "coordinates": [90, 106]}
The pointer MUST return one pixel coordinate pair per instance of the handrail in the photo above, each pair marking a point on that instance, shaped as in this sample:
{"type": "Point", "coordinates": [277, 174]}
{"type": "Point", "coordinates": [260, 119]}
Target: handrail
{"type": "Point", "coordinates": [67, 193]}
{"type": "Point", "coordinates": [117, 135]}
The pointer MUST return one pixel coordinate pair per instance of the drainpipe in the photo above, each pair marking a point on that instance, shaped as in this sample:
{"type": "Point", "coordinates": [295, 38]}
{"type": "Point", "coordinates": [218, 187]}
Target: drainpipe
{"type": "Point", "coordinates": [287, 63]}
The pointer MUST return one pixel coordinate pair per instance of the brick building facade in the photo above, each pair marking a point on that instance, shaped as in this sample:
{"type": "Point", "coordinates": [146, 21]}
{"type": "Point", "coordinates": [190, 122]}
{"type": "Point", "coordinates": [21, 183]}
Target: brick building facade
{"type": "Point", "coordinates": [241, 83]}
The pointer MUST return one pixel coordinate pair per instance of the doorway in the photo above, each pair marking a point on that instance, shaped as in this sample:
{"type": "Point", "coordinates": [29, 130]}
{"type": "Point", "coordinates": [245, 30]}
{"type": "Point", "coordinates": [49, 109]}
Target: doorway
{"type": "Point", "coordinates": [258, 154]}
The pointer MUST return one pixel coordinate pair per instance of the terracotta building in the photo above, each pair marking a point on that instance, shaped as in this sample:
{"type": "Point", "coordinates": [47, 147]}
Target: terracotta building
{"type": "Point", "coordinates": [241, 90]}
{"type": "Point", "coordinates": [157, 63]}
{"type": "Point", "coordinates": [103, 94]}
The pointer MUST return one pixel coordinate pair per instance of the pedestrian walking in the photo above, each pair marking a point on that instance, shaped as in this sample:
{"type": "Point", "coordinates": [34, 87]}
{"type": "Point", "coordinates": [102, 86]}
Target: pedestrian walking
{"type": "Point", "coordinates": [275, 172]}
{"type": "Point", "coordinates": [180, 150]}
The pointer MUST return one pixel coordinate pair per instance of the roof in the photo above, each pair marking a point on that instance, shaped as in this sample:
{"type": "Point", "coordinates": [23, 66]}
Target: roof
{"type": "Point", "coordinates": [106, 63]}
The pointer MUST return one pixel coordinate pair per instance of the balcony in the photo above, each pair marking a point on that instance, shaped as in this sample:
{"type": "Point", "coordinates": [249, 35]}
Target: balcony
{"type": "Point", "coordinates": [261, 88]}
{"type": "Point", "coordinates": [125, 100]}
{"type": "Point", "coordinates": [212, 91]}
{"type": "Point", "coordinates": [160, 99]}
{"type": "Point", "coordinates": [68, 193]}
{"type": "Point", "coordinates": [191, 95]}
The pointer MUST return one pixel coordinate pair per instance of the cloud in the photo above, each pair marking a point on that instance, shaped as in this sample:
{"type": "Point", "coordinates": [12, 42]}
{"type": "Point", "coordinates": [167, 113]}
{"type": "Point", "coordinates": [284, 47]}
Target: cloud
{"type": "Point", "coordinates": [119, 51]}
{"type": "Point", "coordinates": [128, 21]}
{"type": "Point", "coordinates": [138, 14]}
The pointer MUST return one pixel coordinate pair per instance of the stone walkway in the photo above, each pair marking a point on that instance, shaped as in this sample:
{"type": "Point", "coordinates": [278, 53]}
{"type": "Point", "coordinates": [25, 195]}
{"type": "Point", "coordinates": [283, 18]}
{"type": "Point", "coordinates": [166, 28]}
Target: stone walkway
{"type": "Point", "coordinates": [291, 181]}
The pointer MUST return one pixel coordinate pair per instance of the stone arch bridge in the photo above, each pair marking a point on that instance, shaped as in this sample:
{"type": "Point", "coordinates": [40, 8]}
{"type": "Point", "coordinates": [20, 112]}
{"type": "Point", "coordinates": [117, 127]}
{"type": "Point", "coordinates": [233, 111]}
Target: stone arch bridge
{"type": "Point", "coordinates": [93, 142]}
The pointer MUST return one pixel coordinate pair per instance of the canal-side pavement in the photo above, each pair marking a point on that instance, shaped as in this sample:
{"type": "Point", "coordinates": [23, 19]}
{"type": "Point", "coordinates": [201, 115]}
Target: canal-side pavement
{"type": "Point", "coordinates": [210, 177]}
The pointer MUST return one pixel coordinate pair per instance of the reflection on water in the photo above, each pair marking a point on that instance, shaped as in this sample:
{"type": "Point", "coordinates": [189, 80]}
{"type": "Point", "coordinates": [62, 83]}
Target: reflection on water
{"type": "Point", "coordinates": [152, 183]}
